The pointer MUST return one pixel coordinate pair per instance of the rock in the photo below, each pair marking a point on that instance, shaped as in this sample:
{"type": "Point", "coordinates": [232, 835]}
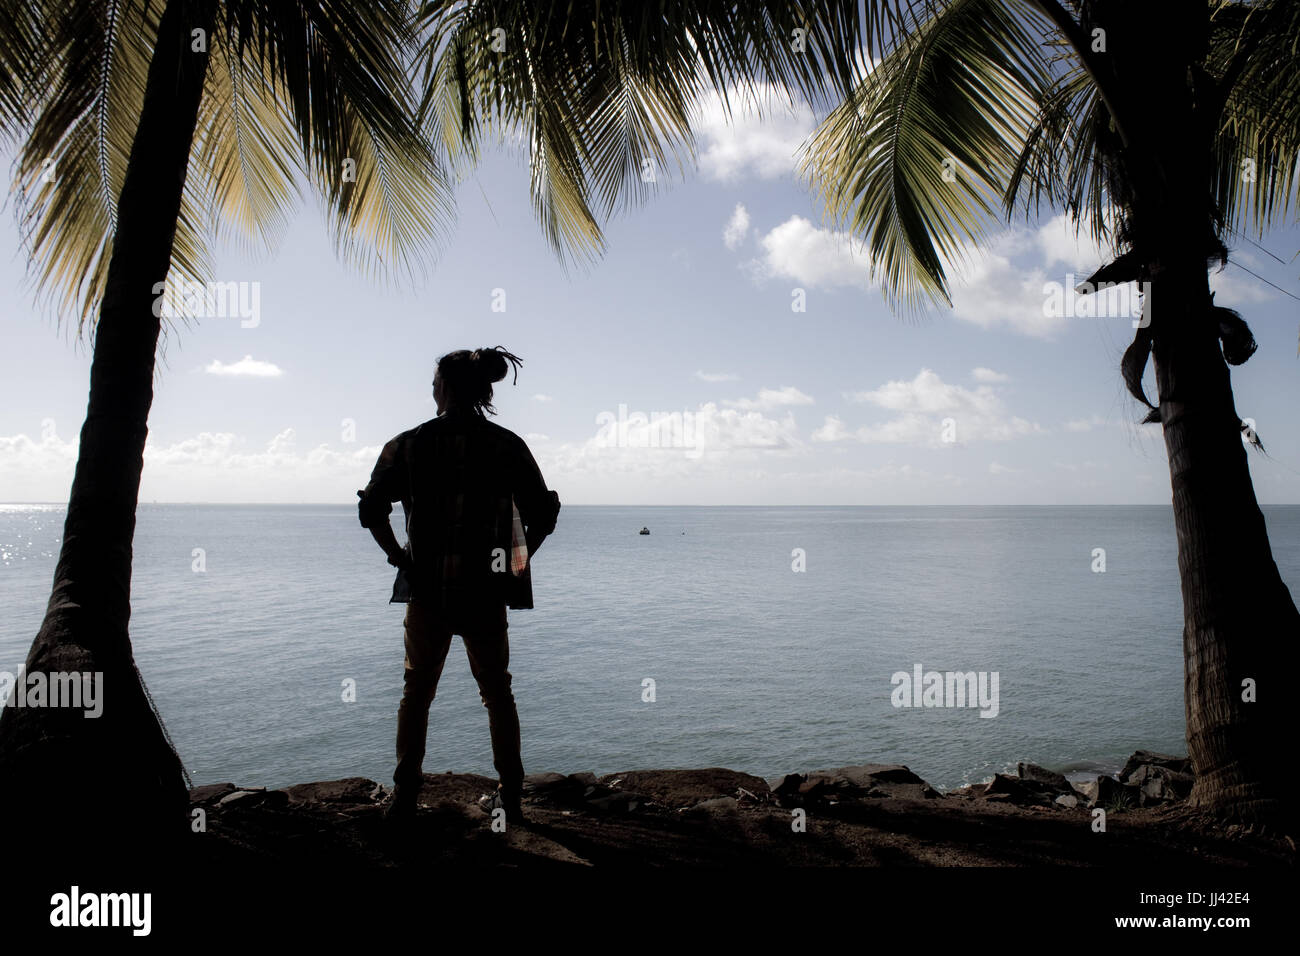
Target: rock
{"type": "Point", "coordinates": [211, 791]}
{"type": "Point", "coordinates": [238, 796]}
{"type": "Point", "coordinates": [1069, 801]}
{"type": "Point", "coordinates": [544, 781]}
{"type": "Point", "coordinates": [868, 775]}
{"type": "Point", "coordinates": [685, 788]}
{"type": "Point", "coordinates": [1160, 784]}
{"type": "Point", "coordinates": [349, 790]}
{"type": "Point", "coordinates": [716, 805]}
{"type": "Point", "coordinates": [786, 785]}
{"type": "Point", "coordinates": [620, 801]}
{"type": "Point", "coordinates": [1143, 758]}
{"type": "Point", "coordinates": [252, 797]}
{"type": "Point", "coordinates": [818, 784]}
{"type": "Point", "coordinates": [1087, 791]}
{"type": "Point", "coordinates": [1110, 792]}
{"type": "Point", "coordinates": [563, 790]}
{"type": "Point", "coordinates": [1041, 775]}
{"type": "Point", "coordinates": [873, 780]}
{"type": "Point", "coordinates": [1017, 790]}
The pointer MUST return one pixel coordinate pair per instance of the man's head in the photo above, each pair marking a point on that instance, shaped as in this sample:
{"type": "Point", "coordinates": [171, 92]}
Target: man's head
{"type": "Point", "coordinates": [463, 379]}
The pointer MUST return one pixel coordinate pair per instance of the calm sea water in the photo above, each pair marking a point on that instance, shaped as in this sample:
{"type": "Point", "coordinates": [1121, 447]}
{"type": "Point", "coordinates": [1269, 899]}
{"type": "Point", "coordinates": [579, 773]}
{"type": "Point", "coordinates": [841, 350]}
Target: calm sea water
{"type": "Point", "coordinates": [755, 667]}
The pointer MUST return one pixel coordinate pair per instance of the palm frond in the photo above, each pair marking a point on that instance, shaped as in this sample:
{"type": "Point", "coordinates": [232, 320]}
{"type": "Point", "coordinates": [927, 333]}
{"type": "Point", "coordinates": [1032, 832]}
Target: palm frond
{"type": "Point", "coordinates": [1255, 51]}
{"type": "Point", "coordinates": [348, 100]}
{"type": "Point", "coordinates": [293, 91]}
{"type": "Point", "coordinates": [87, 86]}
{"type": "Point", "coordinates": [602, 93]}
{"type": "Point", "coordinates": [917, 158]}
{"type": "Point", "coordinates": [22, 26]}
{"type": "Point", "coordinates": [246, 151]}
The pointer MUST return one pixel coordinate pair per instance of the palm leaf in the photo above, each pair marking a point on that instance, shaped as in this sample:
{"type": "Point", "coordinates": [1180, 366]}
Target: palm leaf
{"type": "Point", "coordinates": [918, 157]}
{"type": "Point", "coordinates": [246, 151]}
{"type": "Point", "coordinates": [1255, 51]}
{"type": "Point", "coordinates": [602, 93]}
{"type": "Point", "coordinates": [87, 87]}
{"type": "Point", "coordinates": [293, 90]}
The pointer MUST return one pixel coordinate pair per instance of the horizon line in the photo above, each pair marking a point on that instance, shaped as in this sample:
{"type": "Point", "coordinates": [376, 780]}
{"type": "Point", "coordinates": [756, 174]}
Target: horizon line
{"type": "Point", "coordinates": [634, 504]}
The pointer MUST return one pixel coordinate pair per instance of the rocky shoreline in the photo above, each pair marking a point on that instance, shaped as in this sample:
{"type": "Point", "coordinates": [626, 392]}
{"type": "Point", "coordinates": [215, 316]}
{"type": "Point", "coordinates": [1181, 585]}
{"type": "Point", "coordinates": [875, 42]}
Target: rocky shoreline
{"type": "Point", "coordinates": [867, 815]}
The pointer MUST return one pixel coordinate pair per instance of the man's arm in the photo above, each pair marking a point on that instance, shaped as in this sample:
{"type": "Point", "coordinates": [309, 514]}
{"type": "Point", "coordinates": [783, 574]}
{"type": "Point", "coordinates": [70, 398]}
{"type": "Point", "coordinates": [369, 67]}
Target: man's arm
{"type": "Point", "coordinates": [538, 506]}
{"type": "Point", "coordinates": [387, 484]}
{"type": "Point", "coordinates": [383, 534]}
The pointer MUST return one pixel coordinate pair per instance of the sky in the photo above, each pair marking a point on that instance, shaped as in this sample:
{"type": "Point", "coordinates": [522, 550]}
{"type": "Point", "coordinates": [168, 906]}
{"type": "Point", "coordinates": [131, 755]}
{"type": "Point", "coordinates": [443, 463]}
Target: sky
{"type": "Point", "coordinates": [728, 306]}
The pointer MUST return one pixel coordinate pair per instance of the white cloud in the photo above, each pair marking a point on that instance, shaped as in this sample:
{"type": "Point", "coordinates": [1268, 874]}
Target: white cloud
{"type": "Point", "coordinates": [769, 398]}
{"type": "Point", "coordinates": [832, 429]}
{"type": "Point", "coordinates": [540, 397]}
{"type": "Point", "coordinates": [733, 234]}
{"type": "Point", "coordinates": [1060, 242]}
{"type": "Point", "coordinates": [682, 445]}
{"type": "Point", "coordinates": [248, 366]}
{"type": "Point", "coordinates": [811, 256]}
{"type": "Point", "coordinates": [225, 451]}
{"type": "Point", "coordinates": [1024, 280]}
{"type": "Point", "coordinates": [988, 290]}
{"type": "Point", "coordinates": [988, 376]}
{"type": "Point", "coordinates": [761, 137]}
{"type": "Point", "coordinates": [1233, 288]}
{"type": "Point", "coordinates": [211, 466]}
{"type": "Point", "coordinates": [927, 392]}
{"type": "Point", "coordinates": [704, 376]}
{"type": "Point", "coordinates": [923, 405]}
{"type": "Point", "coordinates": [1085, 424]}
{"type": "Point", "coordinates": [32, 470]}
{"type": "Point", "coordinates": [536, 436]}
{"type": "Point", "coordinates": [997, 469]}
{"type": "Point", "coordinates": [282, 444]}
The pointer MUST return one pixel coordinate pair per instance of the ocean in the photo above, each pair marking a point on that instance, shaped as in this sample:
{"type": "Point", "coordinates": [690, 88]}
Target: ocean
{"type": "Point", "coordinates": [698, 645]}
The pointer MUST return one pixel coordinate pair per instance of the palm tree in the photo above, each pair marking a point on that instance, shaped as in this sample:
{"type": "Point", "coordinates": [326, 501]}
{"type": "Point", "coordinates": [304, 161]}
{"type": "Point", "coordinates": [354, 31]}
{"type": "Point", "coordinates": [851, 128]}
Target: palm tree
{"type": "Point", "coordinates": [1139, 119]}
{"type": "Point", "coordinates": [148, 129]}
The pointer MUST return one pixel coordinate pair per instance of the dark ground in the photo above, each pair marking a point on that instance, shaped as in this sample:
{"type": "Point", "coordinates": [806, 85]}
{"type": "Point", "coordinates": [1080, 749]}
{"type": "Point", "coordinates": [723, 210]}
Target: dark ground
{"type": "Point", "coordinates": [870, 816]}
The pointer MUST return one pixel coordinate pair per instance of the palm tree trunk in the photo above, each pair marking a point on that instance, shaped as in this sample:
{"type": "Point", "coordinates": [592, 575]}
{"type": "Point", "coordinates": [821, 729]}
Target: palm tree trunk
{"type": "Point", "coordinates": [1240, 624]}
{"type": "Point", "coordinates": [59, 768]}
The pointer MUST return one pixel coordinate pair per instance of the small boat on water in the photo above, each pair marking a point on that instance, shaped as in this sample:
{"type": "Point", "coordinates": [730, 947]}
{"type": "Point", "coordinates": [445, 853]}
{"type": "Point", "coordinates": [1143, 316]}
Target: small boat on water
{"type": "Point", "coordinates": [644, 531]}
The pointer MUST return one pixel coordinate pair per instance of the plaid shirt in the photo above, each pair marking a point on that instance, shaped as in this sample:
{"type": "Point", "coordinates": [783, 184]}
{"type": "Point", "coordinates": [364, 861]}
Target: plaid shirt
{"type": "Point", "coordinates": [471, 491]}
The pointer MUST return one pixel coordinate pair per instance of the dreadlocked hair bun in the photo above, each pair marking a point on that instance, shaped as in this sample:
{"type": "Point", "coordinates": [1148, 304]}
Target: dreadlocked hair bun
{"type": "Point", "coordinates": [492, 363]}
{"type": "Point", "coordinates": [468, 376]}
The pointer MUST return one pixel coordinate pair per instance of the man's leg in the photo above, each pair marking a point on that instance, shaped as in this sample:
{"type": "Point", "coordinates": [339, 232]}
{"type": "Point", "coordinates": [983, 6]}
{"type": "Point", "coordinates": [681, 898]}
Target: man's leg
{"type": "Point", "coordinates": [427, 640]}
{"type": "Point", "coordinates": [488, 648]}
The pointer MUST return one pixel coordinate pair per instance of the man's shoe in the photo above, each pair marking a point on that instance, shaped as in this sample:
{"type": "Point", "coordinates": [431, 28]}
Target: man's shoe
{"type": "Point", "coordinates": [507, 800]}
{"type": "Point", "coordinates": [401, 807]}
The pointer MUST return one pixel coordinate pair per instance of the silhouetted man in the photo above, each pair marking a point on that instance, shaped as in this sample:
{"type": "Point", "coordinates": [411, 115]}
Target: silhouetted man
{"type": "Point", "coordinates": [476, 509]}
